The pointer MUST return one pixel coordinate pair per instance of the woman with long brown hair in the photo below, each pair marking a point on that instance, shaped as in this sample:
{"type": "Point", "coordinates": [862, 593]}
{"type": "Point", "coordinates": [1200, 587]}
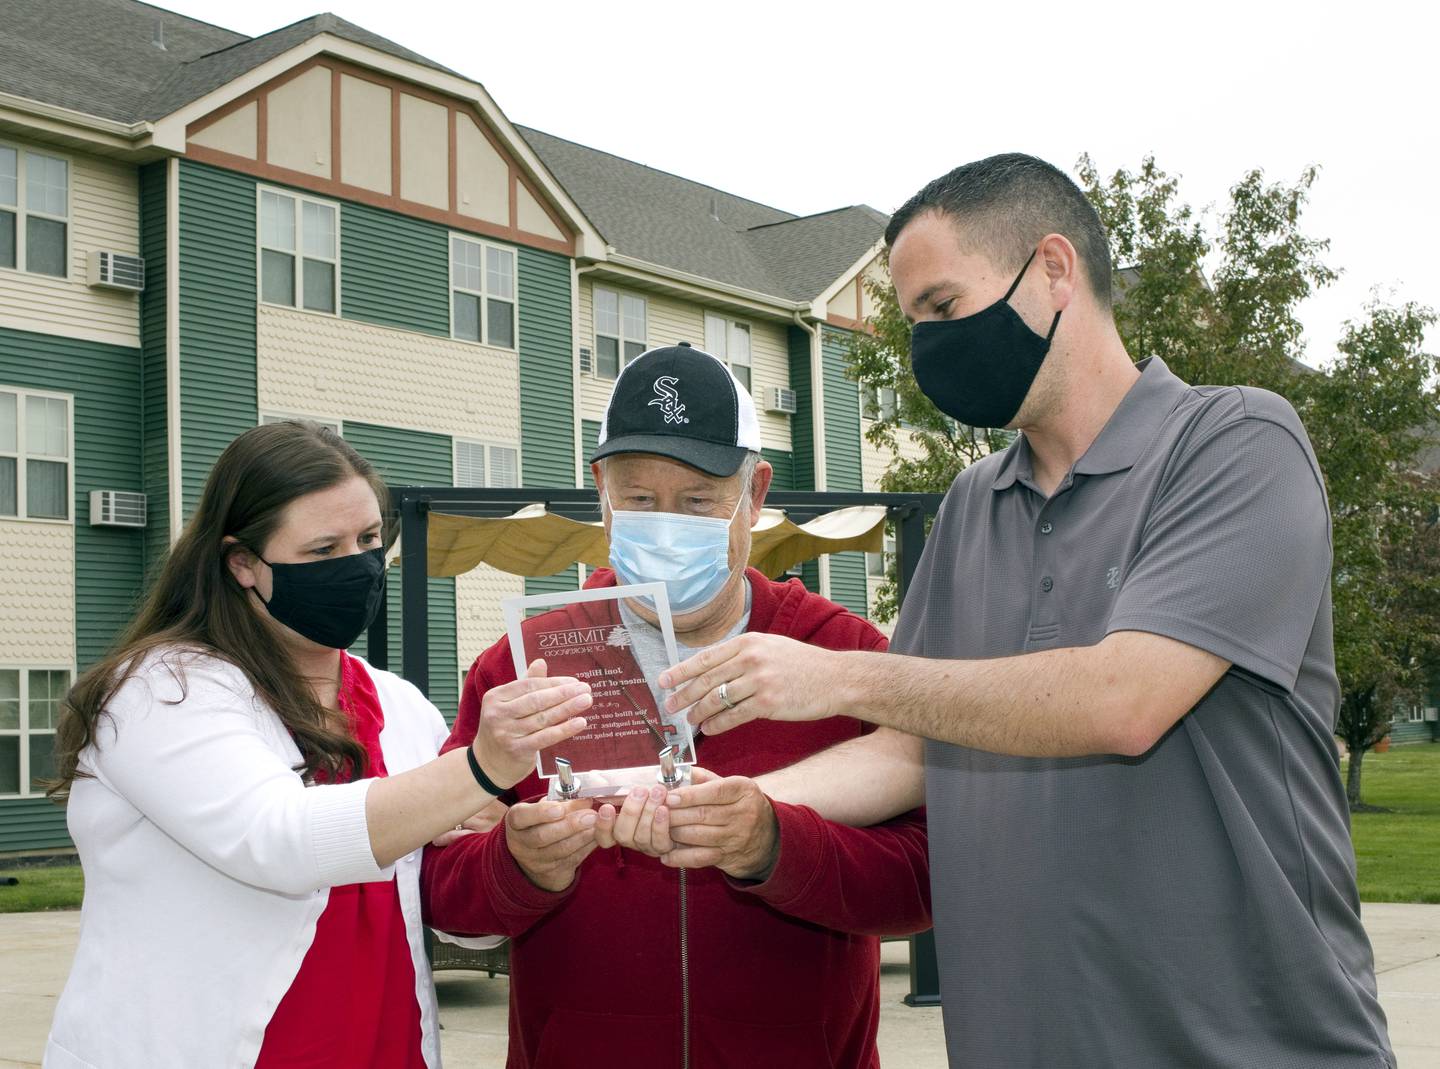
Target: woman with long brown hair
{"type": "Point", "coordinates": [249, 801]}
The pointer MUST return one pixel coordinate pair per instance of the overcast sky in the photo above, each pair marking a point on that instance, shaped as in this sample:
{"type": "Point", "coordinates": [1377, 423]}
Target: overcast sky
{"type": "Point", "coordinates": [809, 107]}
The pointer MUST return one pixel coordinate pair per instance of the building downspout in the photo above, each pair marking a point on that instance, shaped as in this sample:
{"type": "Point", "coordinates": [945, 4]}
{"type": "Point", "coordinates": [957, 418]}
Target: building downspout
{"type": "Point", "coordinates": [173, 424]}
{"type": "Point", "coordinates": [817, 424]}
{"type": "Point", "coordinates": [582, 468]}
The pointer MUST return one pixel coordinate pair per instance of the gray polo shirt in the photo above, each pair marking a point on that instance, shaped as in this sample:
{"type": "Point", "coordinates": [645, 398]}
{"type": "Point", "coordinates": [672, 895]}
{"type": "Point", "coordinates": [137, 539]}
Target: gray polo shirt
{"type": "Point", "coordinates": [1195, 906]}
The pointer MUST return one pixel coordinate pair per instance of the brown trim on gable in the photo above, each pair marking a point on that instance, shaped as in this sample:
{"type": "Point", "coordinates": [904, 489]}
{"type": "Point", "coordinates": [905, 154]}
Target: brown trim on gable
{"type": "Point", "coordinates": [847, 323]}
{"type": "Point", "coordinates": [395, 155]}
{"type": "Point", "coordinates": [451, 119]}
{"type": "Point", "coordinates": [340, 190]}
{"type": "Point", "coordinates": [544, 203]}
{"type": "Point", "coordinates": [251, 97]}
{"type": "Point", "coordinates": [262, 130]}
{"type": "Point", "coordinates": [334, 125]}
{"type": "Point", "coordinates": [335, 186]}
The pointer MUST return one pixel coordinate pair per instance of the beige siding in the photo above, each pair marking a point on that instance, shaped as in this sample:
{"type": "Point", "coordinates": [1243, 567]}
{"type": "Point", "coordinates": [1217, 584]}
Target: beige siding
{"type": "Point", "coordinates": [531, 218]}
{"type": "Point", "coordinates": [298, 124]}
{"type": "Point", "coordinates": [324, 366]}
{"type": "Point", "coordinates": [477, 609]}
{"type": "Point", "coordinates": [104, 214]}
{"type": "Point", "coordinates": [844, 303]}
{"type": "Point", "coordinates": [668, 321]}
{"type": "Point", "coordinates": [424, 152]}
{"type": "Point", "coordinates": [364, 134]}
{"type": "Point", "coordinates": [770, 366]}
{"type": "Point", "coordinates": [874, 272]}
{"type": "Point", "coordinates": [873, 461]}
{"type": "Point", "coordinates": [482, 177]}
{"type": "Point", "coordinates": [235, 134]}
{"type": "Point", "coordinates": [37, 593]}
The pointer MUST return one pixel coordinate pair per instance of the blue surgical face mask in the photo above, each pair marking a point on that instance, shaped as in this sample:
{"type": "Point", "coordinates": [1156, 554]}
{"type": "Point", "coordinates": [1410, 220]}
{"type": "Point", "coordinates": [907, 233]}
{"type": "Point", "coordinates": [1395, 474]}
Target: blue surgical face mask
{"type": "Point", "coordinates": [689, 554]}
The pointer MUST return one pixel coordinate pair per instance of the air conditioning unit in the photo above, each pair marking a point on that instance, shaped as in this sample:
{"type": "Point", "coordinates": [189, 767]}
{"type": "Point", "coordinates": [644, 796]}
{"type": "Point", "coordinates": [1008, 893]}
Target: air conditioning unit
{"type": "Point", "coordinates": [1432, 713]}
{"type": "Point", "coordinates": [117, 508]}
{"type": "Point", "coordinates": [117, 271]}
{"type": "Point", "coordinates": [587, 360]}
{"type": "Point", "coordinates": [781, 400]}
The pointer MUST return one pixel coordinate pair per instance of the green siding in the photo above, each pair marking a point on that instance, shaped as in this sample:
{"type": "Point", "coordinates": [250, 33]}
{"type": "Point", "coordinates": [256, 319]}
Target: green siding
{"type": "Point", "coordinates": [784, 465]}
{"type": "Point", "coordinates": [842, 416]}
{"type": "Point", "coordinates": [547, 402]}
{"type": "Point", "coordinates": [105, 382]}
{"type": "Point", "coordinates": [842, 462]}
{"type": "Point", "coordinates": [416, 458]}
{"type": "Point", "coordinates": [153, 335]}
{"type": "Point", "coordinates": [1405, 731]}
{"type": "Point", "coordinates": [589, 438]}
{"type": "Point", "coordinates": [394, 270]}
{"type": "Point", "coordinates": [802, 424]}
{"type": "Point", "coordinates": [31, 825]}
{"type": "Point", "coordinates": [802, 433]}
{"type": "Point", "coordinates": [217, 317]}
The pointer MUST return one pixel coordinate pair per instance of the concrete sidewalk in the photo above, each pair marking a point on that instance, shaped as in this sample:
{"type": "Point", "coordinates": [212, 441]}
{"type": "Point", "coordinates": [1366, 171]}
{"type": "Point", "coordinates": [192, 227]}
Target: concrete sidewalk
{"type": "Point", "coordinates": [35, 952]}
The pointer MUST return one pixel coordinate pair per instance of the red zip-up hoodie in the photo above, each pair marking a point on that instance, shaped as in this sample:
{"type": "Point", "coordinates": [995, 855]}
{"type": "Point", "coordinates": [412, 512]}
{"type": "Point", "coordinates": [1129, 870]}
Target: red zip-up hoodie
{"type": "Point", "coordinates": [639, 964]}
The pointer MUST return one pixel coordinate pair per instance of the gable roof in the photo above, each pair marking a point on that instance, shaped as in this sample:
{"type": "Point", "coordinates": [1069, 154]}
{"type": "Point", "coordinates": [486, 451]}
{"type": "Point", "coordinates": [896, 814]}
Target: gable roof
{"type": "Point", "coordinates": [98, 57]}
{"type": "Point", "coordinates": [674, 222]}
{"type": "Point", "coordinates": [101, 57]}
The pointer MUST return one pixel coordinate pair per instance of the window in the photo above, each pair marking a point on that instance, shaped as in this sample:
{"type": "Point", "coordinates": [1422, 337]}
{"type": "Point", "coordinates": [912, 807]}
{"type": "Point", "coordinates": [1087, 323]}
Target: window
{"type": "Point", "coordinates": [730, 341]}
{"type": "Point", "coordinates": [30, 700]}
{"type": "Point", "coordinates": [619, 331]}
{"type": "Point", "coordinates": [482, 298]}
{"type": "Point", "coordinates": [876, 564]}
{"type": "Point", "coordinates": [299, 252]}
{"type": "Point", "coordinates": [34, 211]}
{"type": "Point", "coordinates": [281, 417]}
{"type": "Point", "coordinates": [34, 455]}
{"type": "Point", "coordinates": [878, 404]}
{"type": "Point", "coordinates": [1417, 714]}
{"type": "Point", "coordinates": [486, 464]}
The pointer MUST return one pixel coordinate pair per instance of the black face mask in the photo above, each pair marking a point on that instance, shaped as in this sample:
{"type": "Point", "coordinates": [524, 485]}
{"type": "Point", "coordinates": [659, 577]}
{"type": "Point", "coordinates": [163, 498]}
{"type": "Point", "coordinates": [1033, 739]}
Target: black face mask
{"type": "Point", "coordinates": [331, 602]}
{"type": "Point", "coordinates": [978, 369]}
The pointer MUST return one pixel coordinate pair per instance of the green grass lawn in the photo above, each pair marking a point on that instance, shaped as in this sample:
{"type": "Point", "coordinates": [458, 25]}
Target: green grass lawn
{"type": "Point", "coordinates": [52, 885]}
{"type": "Point", "coordinates": [1398, 853]}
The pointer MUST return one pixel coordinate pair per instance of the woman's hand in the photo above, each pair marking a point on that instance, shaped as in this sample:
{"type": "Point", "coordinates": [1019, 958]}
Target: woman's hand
{"type": "Point", "coordinates": [521, 718]}
{"type": "Point", "coordinates": [484, 820]}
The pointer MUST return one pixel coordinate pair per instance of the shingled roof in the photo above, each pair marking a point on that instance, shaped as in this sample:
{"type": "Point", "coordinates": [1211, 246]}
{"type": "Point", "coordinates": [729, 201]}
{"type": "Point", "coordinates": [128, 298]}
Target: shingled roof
{"type": "Point", "coordinates": [688, 226]}
{"type": "Point", "coordinates": [103, 57]}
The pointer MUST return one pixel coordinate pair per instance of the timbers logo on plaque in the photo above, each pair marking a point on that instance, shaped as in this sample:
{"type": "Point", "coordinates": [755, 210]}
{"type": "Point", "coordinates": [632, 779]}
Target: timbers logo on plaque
{"type": "Point", "coordinates": [629, 738]}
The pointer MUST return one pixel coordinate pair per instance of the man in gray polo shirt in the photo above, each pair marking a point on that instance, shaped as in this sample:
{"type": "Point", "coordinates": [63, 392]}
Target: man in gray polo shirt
{"type": "Point", "coordinates": [1120, 660]}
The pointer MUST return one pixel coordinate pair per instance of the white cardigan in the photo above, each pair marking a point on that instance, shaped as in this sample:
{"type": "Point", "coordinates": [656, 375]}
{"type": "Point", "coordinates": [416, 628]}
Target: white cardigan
{"type": "Point", "coordinates": [207, 863]}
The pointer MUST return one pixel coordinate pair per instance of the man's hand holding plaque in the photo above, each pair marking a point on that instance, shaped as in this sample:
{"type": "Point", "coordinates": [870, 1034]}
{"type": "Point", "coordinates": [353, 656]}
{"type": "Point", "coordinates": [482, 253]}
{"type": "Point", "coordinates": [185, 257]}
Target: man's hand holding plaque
{"type": "Point", "coordinates": [726, 823]}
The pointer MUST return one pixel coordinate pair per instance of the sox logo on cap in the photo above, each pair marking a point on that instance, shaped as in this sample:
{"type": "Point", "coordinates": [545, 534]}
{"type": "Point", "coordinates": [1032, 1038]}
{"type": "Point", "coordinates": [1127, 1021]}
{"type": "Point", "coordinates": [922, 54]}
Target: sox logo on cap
{"type": "Point", "coordinates": [668, 398]}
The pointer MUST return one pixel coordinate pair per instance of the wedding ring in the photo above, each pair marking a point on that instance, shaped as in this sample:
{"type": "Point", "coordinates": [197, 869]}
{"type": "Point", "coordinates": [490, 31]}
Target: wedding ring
{"type": "Point", "coordinates": [720, 693]}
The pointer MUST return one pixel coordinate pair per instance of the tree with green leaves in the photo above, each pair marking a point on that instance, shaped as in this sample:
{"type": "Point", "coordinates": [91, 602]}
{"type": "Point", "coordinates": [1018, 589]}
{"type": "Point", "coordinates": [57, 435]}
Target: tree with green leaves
{"type": "Point", "coordinates": [1370, 416]}
{"type": "Point", "coordinates": [1223, 308]}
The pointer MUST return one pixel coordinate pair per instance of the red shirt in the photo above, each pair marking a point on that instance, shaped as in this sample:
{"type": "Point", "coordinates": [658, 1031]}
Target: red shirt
{"type": "Point", "coordinates": [636, 964]}
{"type": "Point", "coordinates": [352, 1005]}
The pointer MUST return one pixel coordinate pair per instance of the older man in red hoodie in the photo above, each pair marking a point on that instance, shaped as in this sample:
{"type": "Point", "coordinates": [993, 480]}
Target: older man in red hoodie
{"type": "Point", "coordinates": [769, 959]}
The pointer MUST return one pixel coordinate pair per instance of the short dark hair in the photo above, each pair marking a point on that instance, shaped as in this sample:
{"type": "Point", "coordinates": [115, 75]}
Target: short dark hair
{"type": "Point", "coordinates": [1008, 203]}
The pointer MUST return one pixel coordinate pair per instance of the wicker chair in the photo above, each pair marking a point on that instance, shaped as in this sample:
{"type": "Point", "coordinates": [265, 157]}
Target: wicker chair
{"type": "Point", "coordinates": [494, 961]}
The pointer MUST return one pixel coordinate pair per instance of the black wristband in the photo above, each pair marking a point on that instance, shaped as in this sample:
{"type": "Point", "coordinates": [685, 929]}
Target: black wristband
{"type": "Point", "coordinates": [479, 774]}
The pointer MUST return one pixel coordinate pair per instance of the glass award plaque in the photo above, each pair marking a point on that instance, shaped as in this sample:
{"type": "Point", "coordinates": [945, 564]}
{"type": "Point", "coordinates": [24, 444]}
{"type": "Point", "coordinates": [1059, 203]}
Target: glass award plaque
{"type": "Point", "coordinates": [629, 739]}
